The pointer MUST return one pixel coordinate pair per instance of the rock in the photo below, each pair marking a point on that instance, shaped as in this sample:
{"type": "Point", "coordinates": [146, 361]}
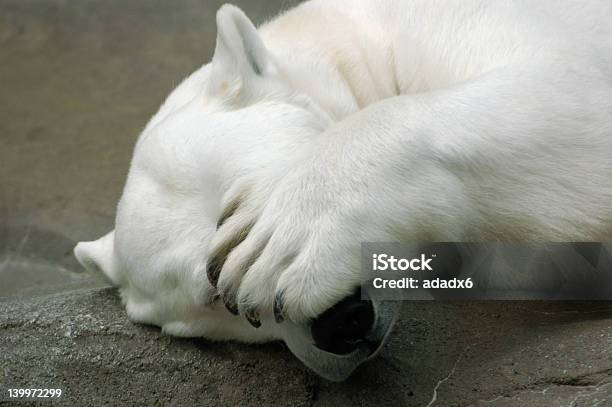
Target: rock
{"type": "Point", "coordinates": [489, 354]}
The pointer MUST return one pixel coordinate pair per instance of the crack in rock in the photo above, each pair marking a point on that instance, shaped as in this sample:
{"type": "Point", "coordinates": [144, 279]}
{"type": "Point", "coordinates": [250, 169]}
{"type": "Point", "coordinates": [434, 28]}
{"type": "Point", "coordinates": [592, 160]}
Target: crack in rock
{"type": "Point", "coordinates": [434, 396]}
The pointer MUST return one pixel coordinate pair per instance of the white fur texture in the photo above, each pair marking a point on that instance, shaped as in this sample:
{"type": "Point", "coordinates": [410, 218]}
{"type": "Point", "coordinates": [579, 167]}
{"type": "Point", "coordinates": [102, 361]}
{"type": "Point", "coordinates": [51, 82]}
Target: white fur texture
{"type": "Point", "coordinates": [414, 120]}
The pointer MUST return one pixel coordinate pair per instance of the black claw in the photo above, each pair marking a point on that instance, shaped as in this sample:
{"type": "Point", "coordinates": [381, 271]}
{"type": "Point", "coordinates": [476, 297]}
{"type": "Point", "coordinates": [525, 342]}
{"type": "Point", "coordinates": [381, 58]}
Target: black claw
{"type": "Point", "coordinates": [279, 305]}
{"type": "Point", "coordinates": [231, 307]}
{"type": "Point", "coordinates": [230, 304]}
{"type": "Point", "coordinates": [252, 316]}
{"type": "Point", "coordinates": [217, 259]}
{"type": "Point", "coordinates": [213, 270]}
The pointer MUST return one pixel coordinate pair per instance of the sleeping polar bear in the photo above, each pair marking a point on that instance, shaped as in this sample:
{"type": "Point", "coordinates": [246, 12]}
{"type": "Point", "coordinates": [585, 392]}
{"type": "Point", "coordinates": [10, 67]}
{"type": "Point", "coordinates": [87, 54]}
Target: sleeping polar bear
{"type": "Point", "coordinates": [251, 189]}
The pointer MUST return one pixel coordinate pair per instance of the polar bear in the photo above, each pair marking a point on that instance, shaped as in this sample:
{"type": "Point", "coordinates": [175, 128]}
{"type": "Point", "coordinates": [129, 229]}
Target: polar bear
{"type": "Point", "coordinates": [251, 189]}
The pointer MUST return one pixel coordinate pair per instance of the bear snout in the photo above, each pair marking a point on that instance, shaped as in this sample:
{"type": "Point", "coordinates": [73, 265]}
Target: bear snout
{"type": "Point", "coordinates": [345, 326]}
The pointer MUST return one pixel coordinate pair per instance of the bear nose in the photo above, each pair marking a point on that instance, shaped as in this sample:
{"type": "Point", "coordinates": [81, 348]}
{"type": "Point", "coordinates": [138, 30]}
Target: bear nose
{"type": "Point", "coordinates": [343, 327]}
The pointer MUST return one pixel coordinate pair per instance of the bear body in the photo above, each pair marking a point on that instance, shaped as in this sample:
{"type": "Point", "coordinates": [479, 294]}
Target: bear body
{"type": "Point", "coordinates": [253, 186]}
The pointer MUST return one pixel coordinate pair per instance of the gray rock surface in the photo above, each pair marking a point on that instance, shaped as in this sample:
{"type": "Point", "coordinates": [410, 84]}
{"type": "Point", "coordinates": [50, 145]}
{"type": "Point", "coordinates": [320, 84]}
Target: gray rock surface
{"type": "Point", "coordinates": [442, 354]}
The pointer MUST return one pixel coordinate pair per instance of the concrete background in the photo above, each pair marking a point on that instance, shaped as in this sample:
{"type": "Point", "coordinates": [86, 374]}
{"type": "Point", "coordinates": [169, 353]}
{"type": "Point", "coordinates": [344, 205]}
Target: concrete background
{"type": "Point", "coordinates": [78, 81]}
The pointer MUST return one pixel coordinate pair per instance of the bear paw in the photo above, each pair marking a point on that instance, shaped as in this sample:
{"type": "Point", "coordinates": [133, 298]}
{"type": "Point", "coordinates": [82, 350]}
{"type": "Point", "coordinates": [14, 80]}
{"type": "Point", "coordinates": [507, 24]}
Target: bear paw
{"type": "Point", "coordinates": [293, 251]}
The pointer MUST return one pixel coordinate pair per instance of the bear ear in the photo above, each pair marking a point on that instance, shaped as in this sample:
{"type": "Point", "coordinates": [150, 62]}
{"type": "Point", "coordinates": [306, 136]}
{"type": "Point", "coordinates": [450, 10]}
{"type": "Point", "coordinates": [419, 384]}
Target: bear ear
{"type": "Point", "coordinates": [240, 54]}
{"type": "Point", "coordinates": [98, 257]}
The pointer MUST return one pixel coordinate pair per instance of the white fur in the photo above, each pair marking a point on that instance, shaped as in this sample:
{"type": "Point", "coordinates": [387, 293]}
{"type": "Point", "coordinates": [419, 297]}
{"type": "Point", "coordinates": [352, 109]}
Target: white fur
{"type": "Point", "coordinates": [415, 120]}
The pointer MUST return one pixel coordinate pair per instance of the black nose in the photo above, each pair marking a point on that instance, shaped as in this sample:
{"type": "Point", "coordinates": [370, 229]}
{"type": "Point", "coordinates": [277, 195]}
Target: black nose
{"type": "Point", "coordinates": [344, 326]}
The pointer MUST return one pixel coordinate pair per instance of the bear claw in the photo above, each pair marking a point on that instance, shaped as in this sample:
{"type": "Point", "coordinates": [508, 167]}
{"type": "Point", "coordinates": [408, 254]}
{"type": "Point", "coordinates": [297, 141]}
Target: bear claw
{"type": "Point", "coordinates": [279, 304]}
{"type": "Point", "coordinates": [213, 270]}
{"type": "Point", "coordinates": [252, 316]}
{"type": "Point", "coordinates": [230, 304]}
